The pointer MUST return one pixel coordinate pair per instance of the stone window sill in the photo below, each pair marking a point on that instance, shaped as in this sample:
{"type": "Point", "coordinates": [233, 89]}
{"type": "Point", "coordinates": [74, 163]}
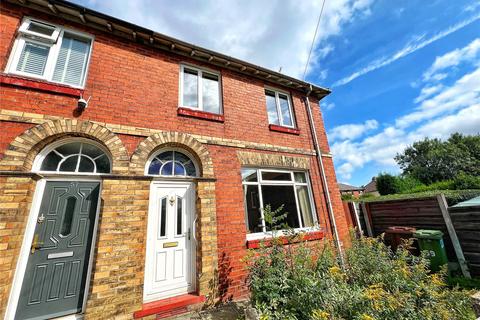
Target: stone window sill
{"type": "Point", "coordinates": [307, 236]}
{"type": "Point", "coordinates": [39, 85]}
{"type": "Point", "coordinates": [274, 127]}
{"type": "Point", "coordinates": [187, 112]}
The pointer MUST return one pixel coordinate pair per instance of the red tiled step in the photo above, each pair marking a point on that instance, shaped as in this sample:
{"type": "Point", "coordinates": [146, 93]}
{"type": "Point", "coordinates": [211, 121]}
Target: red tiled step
{"type": "Point", "coordinates": [166, 306]}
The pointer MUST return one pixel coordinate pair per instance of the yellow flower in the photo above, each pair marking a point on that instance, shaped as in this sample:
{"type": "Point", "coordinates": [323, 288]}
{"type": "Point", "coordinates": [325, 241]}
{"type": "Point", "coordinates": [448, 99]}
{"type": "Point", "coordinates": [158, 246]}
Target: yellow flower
{"type": "Point", "coordinates": [320, 315]}
{"type": "Point", "coordinates": [366, 317]}
{"type": "Point", "coordinates": [437, 280]}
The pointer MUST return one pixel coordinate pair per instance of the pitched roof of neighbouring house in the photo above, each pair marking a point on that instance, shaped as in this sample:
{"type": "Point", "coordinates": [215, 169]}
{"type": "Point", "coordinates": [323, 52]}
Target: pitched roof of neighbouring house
{"type": "Point", "coordinates": [132, 32]}
{"type": "Point", "coordinates": [347, 187]}
{"type": "Point", "coordinates": [371, 186]}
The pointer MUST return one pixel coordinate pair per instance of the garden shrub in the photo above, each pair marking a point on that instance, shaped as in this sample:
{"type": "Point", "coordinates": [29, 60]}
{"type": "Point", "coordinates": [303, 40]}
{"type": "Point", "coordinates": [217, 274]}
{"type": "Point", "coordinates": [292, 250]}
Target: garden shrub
{"type": "Point", "coordinates": [305, 281]}
{"type": "Point", "coordinates": [464, 181]}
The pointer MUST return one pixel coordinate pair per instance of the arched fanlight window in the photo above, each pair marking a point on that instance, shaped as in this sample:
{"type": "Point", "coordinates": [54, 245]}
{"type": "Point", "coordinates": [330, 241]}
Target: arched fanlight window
{"type": "Point", "coordinates": [74, 156]}
{"type": "Point", "coordinates": [172, 163]}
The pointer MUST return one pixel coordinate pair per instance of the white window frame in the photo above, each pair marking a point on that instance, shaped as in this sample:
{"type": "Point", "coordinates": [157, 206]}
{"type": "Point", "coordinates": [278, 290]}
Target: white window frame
{"type": "Point", "coordinates": [278, 92]}
{"type": "Point", "coordinates": [155, 154]}
{"type": "Point", "coordinates": [200, 72]}
{"type": "Point", "coordinates": [260, 181]}
{"type": "Point", "coordinates": [54, 42]}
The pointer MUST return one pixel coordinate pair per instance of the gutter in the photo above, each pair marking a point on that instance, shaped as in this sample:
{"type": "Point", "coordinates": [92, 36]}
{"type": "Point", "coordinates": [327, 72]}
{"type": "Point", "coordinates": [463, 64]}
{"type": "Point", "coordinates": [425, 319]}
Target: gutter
{"type": "Point", "coordinates": [326, 191]}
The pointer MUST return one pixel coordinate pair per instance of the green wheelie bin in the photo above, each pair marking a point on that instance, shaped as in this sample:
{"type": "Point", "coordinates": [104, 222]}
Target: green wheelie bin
{"type": "Point", "coordinates": [432, 241]}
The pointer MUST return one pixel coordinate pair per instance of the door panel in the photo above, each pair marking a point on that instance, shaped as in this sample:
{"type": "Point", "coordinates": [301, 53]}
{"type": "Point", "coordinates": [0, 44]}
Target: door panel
{"type": "Point", "coordinates": [56, 271]}
{"type": "Point", "coordinates": [169, 266]}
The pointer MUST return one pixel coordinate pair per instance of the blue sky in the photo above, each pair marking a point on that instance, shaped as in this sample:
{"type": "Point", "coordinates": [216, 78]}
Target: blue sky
{"type": "Point", "coordinates": [399, 70]}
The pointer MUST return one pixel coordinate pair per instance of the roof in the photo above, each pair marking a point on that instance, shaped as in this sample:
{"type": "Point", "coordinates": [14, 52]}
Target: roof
{"type": "Point", "coordinates": [347, 187]}
{"type": "Point", "coordinates": [469, 203]}
{"type": "Point", "coordinates": [99, 21]}
{"type": "Point", "coordinates": [371, 186]}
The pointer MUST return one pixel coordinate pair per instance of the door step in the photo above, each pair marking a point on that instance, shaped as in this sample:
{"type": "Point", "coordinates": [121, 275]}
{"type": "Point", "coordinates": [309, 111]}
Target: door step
{"type": "Point", "coordinates": [170, 306]}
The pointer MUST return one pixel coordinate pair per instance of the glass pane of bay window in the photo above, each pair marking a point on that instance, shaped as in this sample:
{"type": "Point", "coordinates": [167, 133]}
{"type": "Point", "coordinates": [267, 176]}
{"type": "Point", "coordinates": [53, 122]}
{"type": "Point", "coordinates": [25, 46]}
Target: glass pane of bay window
{"type": "Point", "coordinates": [285, 110]}
{"type": "Point", "coordinates": [33, 58]}
{"type": "Point", "coordinates": [300, 177]}
{"type": "Point", "coordinates": [190, 88]}
{"type": "Point", "coordinates": [71, 61]}
{"type": "Point", "coordinates": [252, 204]}
{"type": "Point", "coordinates": [276, 176]}
{"type": "Point", "coordinates": [271, 107]}
{"type": "Point", "coordinates": [276, 196]}
{"type": "Point", "coordinates": [210, 93]}
{"type": "Point", "coordinates": [249, 175]}
{"type": "Point", "coordinates": [304, 205]}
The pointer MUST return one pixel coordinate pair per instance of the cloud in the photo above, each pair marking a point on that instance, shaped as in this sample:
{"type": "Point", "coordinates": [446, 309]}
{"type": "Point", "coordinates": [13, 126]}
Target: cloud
{"type": "Point", "coordinates": [441, 111]}
{"type": "Point", "coordinates": [453, 58]}
{"type": "Point", "coordinates": [276, 33]}
{"type": "Point", "coordinates": [417, 43]}
{"type": "Point", "coordinates": [327, 106]}
{"type": "Point", "coordinates": [352, 131]}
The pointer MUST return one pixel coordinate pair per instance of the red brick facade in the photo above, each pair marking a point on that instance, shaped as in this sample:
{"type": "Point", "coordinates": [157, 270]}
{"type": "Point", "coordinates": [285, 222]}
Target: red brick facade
{"type": "Point", "coordinates": [133, 85]}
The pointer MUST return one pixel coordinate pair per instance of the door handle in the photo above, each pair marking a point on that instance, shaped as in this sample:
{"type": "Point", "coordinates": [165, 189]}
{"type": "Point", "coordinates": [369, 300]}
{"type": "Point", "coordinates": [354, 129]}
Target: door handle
{"type": "Point", "coordinates": [35, 244]}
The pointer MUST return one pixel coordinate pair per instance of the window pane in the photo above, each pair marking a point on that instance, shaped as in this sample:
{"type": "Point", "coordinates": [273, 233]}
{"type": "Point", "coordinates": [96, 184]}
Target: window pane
{"type": "Point", "coordinates": [180, 157]}
{"type": "Point", "coordinates": [72, 61]}
{"type": "Point", "coordinates": [41, 28]}
{"type": "Point", "coordinates": [179, 170]}
{"type": "Point", "coordinates": [167, 169]}
{"type": "Point", "coordinates": [68, 217]}
{"type": "Point", "coordinates": [249, 175]}
{"type": "Point", "coordinates": [300, 177]}
{"type": "Point", "coordinates": [179, 215]}
{"type": "Point", "coordinates": [210, 93]}
{"type": "Point", "coordinates": [70, 164]}
{"type": "Point", "coordinates": [86, 165]}
{"type": "Point", "coordinates": [271, 108]}
{"type": "Point", "coordinates": [276, 196]}
{"type": "Point", "coordinates": [165, 156]}
{"type": "Point", "coordinates": [50, 162]}
{"type": "Point", "coordinates": [304, 204]}
{"type": "Point", "coordinates": [103, 164]}
{"type": "Point", "coordinates": [91, 150]}
{"type": "Point", "coordinates": [33, 58]}
{"type": "Point", "coordinates": [276, 176]}
{"type": "Point", "coordinates": [252, 203]}
{"type": "Point", "coordinates": [284, 108]}
{"type": "Point", "coordinates": [69, 148]}
{"type": "Point", "coordinates": [154, 167]}
{"type": "Point", "coordinates": [190, 88]}
{"type": "Point", "coordinates": [163, 217]}
{"type": "Point", "coordinates": [190, 167]}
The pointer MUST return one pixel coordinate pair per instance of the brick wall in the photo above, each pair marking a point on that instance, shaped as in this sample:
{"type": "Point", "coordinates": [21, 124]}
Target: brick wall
{"type": "Point", "coordinates": [134, 92]}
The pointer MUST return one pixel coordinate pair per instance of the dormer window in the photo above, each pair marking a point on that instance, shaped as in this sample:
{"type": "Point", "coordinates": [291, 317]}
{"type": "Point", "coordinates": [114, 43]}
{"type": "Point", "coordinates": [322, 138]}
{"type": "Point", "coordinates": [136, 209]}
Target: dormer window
{"type": "Point", "coordinates": [51, 53]}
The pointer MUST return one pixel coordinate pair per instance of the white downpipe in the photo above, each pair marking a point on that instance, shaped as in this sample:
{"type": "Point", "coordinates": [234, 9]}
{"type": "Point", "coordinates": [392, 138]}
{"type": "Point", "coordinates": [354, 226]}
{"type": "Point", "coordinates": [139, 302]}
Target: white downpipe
{"type": "Point", "coordinates": [331, 215]}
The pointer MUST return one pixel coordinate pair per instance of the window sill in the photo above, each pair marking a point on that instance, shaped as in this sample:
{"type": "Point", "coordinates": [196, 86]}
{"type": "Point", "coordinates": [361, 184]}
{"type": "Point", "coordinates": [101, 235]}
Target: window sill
{"type": "Point", "coordinates": [304, 236]}
{"type": "Point", "coordinates": [200, 114]}
{"type": "Point", "coordinates": [274, 127]}
{"type": "Point", "coordinates": [40, 85]}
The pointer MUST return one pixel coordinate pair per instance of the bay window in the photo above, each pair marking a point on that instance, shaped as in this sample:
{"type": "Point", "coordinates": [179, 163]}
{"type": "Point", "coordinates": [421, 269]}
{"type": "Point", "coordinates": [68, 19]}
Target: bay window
{"type": "Point", "coordinates": [46, 51]}
{"type": "Point", "coordinates": [200, 90]}
{"type": "Point", "coordinates": [290, 189]}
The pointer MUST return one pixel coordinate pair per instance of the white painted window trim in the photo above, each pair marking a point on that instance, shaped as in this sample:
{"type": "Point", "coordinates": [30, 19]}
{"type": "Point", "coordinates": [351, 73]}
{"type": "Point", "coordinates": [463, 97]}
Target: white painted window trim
{"type": "Point", "coordinates": [54, 42]}
{"type": "Point", "coordinates": [200, 72]}
{"type": "Point", "coordinates": [278, 92]}
{"type": "Point", "coordinates": [260, 181]}
{"type": "Point", "coordinates": [185, 152]}
{"type": "Point", "coordinates": [22, 261]}
{"type": "Point", "coordinates": [37, 163]}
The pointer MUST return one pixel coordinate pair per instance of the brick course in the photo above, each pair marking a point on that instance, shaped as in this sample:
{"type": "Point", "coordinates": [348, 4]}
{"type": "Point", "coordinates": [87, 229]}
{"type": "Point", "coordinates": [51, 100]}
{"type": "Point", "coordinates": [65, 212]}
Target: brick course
{"type": "Point", "coordinates": [133, 112]}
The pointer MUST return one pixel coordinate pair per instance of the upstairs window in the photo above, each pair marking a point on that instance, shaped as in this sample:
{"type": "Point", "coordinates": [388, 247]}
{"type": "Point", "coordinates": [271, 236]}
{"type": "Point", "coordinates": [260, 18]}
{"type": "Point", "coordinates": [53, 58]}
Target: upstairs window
{"type": "Point", "coordinates": [200, 90]}
{"type": "Point", "coordinates": [290, 189]}
{"type": "Point", "coordinates": [51, 53]}
{"type": "Point", "coordinates": [279, 108]}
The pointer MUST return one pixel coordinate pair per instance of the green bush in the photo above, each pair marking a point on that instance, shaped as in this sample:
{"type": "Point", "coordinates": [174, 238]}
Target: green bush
{"type": "Point", "coordinates": [463, 182]}
{"type": "Point", "coordinates": [387, 184]}
{"type": "Point", "coordinates": [305, 281]}
{"type": "Point", "coordinates": [440, 185]}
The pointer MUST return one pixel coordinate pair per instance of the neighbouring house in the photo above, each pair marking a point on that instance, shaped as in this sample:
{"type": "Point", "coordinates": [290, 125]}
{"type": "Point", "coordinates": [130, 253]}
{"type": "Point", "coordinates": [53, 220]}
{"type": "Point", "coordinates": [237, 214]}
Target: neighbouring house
{"type": "Point", "coordinates": [371, 187]}
{"type": "Point", "coordinates": [134, 167]}
{"type": "Point", "coordinates": [349, 190]}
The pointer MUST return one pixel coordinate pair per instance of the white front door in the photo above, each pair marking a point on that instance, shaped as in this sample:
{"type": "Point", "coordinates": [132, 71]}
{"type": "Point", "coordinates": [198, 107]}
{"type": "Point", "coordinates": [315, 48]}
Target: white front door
{"type": "Point", "coordinates": [170, 258]}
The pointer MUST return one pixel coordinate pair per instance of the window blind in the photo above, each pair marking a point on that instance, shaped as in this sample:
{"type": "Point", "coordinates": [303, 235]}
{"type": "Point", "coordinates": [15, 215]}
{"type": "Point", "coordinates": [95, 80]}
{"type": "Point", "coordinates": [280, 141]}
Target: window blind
{"type": "Point", "coordinates": [72, 61]}
{"type": "Point", "coordinates": [33, 58]}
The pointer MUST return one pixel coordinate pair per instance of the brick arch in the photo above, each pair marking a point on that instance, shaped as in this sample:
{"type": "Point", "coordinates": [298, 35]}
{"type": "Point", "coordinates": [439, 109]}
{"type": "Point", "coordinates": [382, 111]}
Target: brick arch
{"type": "Point", "coordinates": [22, 151]}
{"type": "Point", "coordinates": [173, 139]}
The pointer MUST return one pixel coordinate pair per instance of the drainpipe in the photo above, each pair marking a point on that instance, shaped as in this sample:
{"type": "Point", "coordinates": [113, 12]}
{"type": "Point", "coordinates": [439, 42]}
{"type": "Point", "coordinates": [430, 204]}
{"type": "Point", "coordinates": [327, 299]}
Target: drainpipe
{"type": "Point", "coordinates": [331, 215]}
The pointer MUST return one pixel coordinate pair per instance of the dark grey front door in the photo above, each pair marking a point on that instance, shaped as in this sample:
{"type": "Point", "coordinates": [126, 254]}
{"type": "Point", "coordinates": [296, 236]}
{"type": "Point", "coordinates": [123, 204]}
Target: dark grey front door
{"type": "Point", "coordinates": [56, 272]}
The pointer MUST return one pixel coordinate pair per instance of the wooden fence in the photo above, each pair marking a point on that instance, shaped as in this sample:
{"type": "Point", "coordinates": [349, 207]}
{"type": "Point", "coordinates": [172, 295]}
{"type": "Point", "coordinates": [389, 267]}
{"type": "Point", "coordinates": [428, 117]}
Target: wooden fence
{"type": "Point", "coordinates": [376, 217]}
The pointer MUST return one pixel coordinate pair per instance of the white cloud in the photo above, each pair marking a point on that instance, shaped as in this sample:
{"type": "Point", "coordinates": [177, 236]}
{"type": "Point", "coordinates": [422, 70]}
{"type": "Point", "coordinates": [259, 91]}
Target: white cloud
{"type": "Point", "coordinates": [352, 131]}
{"type": "Point", "coordinates": [453, 58]}
{"type": "Point", "coordinates": [442, 110]}
{"type": "Point", "coordinates": [275, 34]}
{"type": "Point", "coordinates": [417, 43]}
{"type": "Point", "coordinates": [327, 106]}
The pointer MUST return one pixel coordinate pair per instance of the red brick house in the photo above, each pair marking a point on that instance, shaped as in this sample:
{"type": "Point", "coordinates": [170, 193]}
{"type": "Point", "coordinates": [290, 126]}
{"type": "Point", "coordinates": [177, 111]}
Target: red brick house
{"type": "Point", "coordinates": [134, 167]}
